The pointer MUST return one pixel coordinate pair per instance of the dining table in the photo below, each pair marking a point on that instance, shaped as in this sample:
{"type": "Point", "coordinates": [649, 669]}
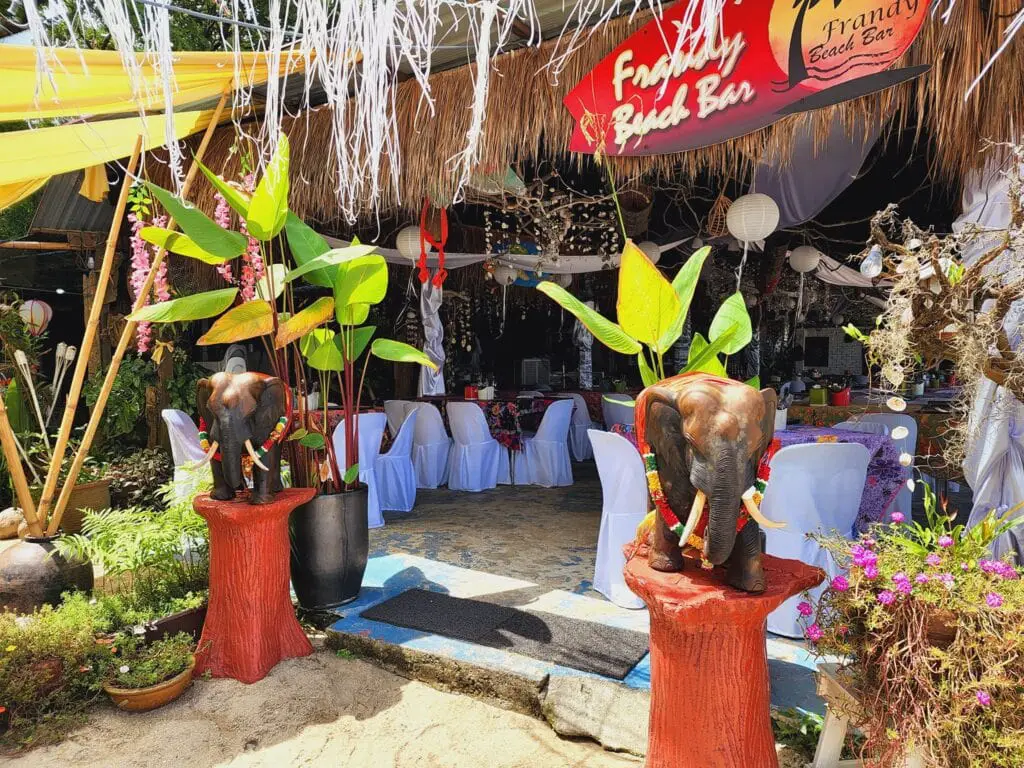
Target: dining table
{"type": "Point", "coordinates": [509, 419]}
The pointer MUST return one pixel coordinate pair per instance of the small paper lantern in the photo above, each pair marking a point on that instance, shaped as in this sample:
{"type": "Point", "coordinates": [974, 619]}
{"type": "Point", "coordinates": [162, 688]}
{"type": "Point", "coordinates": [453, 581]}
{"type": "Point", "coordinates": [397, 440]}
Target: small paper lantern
{"type": "Point", "coordinates": [36, 315]}
{"type": "Point", "coordinates": [564, 280]}
{"type": "Point", "coordinates": [504, 274]}
{"type": "Point", "coordinates": [409, 243]}
{"type": "Point", "coordinates": [805, 258]}
{"type": "Point", "coordinates": [651, 250]}
{"type": "Point", "coordinates": [752, 218]}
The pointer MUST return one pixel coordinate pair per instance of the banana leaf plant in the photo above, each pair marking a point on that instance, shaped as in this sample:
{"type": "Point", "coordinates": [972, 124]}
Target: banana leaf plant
{"type": "Point", "coordinates": [297, 339]}
{"type": "Point", "coordinates": [652, 313]}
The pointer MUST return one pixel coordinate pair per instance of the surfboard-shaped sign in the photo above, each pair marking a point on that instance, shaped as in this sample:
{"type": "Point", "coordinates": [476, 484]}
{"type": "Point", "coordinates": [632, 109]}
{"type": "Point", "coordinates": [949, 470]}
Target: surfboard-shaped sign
{"type": "Point", "coordinates": [664, 90]}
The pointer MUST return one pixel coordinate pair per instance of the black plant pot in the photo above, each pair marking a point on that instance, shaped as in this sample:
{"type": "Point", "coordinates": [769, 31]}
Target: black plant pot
{"type": "Point", "coordinates": [33, 573]}
{"type": "Point", "coordinates": [330, 541]}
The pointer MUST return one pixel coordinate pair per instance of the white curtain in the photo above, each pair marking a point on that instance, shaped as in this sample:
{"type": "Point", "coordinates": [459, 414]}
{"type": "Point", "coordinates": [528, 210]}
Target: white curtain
{"type": "Point", "coordinates": [432, 382]}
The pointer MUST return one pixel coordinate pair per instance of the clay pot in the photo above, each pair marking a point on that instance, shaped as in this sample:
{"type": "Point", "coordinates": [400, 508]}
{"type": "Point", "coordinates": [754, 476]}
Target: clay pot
{"type": "Point", "coordinates": [33, 573]}
{"type": "Point", "coordinates": [941, 629]}
{"type": "Point", "coordinates": [330, 543]}
{"type": "Point", "coordinates": [145, 699]}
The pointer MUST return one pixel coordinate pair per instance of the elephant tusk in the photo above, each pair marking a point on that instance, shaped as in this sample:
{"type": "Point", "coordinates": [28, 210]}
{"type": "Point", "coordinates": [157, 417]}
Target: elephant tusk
{"type": "Point", "coordinates": [209, 454]}
{"type": "Point", "coordinates": [691, 522]}
{"type": "Point", "coordinates": [754, 512]}
{"type": "Point", "coordinates": [255, 458]}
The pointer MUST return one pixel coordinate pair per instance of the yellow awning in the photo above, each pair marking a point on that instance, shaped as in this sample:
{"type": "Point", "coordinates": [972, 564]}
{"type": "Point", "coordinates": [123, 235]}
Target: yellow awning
{"type": "Point", "coordinates": [30, 157]}
{"type": "Point", "coordinates": [96, 83]}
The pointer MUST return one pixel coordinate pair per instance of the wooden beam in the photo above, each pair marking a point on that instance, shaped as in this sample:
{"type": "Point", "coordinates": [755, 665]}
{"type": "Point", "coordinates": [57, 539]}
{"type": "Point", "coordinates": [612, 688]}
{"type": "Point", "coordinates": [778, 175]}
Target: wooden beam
{"type": "Point", "coordinates": [36, 245]}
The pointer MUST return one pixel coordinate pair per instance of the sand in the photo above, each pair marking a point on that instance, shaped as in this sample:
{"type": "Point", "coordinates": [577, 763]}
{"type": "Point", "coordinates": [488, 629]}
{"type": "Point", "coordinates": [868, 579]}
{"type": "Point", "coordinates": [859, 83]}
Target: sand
{"type": "Point", "coordinates": [320, 711]}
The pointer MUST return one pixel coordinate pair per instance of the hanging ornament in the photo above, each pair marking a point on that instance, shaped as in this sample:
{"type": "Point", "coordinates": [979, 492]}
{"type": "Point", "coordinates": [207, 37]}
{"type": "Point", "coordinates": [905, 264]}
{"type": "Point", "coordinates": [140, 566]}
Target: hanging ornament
{"type": "Point", "coordinates": [804, 259]}
{"type": "Point", "coordinates": [425, 238]}
{"type": "Point", "coordinates": [871, 266]}
{"type": "Point", "coordinates": [651, 250]}
{"type": "Point", "coordinates": [36, 315]}
{"type": "Point", "coordinates": [752, 218]}
{"type": "Point", "coordinates": [408, 243]}
{"type": "Point", "coordinates": [565, 280]}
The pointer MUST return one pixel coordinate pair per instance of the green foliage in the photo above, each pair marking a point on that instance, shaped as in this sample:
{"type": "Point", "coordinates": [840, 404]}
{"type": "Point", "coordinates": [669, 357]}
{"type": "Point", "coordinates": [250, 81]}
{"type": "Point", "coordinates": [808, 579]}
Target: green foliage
{"type": "Point", "coordinates": [198, 306]}
{"type": "Point", "coordinates": [50, 669]}
{"type": "Point", "coordinates": [138, 665]}
{"type": "Point", "coordinates": [136, 478]}
{"type": "Point", "coordinates": [268, 208]}
{"type": "Point", "coordinates": [14, 335]}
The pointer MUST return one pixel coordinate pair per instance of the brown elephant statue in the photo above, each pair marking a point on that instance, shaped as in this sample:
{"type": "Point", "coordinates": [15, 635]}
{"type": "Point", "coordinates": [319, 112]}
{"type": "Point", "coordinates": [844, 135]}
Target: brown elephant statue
{"type": "Point", "coordinates": [243, 413]}
{"type": "Point", "coordinates": [707, 435]}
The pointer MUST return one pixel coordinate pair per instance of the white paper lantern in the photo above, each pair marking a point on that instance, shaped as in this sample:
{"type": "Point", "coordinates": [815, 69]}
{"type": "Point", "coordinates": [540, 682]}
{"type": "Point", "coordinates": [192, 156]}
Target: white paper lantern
{"type": "Point", "coordinates": [409, 243]}
{"type": "Point", "coordinates": [650, 250]}
{"type": "Point", "coordinates": [36, 315]}
{"type": "Point", "coordinates": [752, 218]}
{"type": "Point", "coordinates": [805, 258]}
{"type": "Point", "coordinates": [504, 274]}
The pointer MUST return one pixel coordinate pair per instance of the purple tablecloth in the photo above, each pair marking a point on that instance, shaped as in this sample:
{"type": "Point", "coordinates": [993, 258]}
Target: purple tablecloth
{"type": "Point", "coordinates": [886, 476]}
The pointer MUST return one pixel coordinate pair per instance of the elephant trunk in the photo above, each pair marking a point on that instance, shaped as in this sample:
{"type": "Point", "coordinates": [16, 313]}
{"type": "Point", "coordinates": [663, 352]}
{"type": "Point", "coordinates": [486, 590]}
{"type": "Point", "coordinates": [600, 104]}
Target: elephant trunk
{"type": "Point", "coordinates": [231, 455]}
{"type": "Point", "coordinates": [725, 501]}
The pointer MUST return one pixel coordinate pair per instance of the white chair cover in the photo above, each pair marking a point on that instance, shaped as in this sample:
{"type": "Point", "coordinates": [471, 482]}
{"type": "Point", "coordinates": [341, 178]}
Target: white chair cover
{"type": "Point", "coordinates": [544, 459]}
{"type": "Point", "coordinates": [624, 504]}
{"type": "Point", "coordinates": [868, 427]}
{"type": "Point", "coordinates": [579, 441]}
{"type": "Point", "coordinates": [185, 450]}
{"type": "Point", "coordinates": [477, 461]}
{"type": "Point", "coordinates": [371, 430]}
{"type": "Point", "coordinates": [905, 499]}
{"type": "Point", "coordinates": [396, 476]}
{"type": "Point", "coordinates": [430, 446]}
{"type": "Point", "coordinates": [616, 411]}
{"type": "Point", "coordinates": [815, 487]}
{"type": "Point", "coordinates": [396, 411]}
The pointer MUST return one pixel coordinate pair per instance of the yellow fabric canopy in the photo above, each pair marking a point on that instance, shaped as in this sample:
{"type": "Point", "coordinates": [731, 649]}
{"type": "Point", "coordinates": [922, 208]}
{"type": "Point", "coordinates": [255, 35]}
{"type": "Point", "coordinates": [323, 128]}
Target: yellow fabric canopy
{"type": "Point", "coordinates": [30, 157]}
{"type": "Point", "coordinates": [96, 83]}
{"type": "Point", "coordinates": [19, 190]}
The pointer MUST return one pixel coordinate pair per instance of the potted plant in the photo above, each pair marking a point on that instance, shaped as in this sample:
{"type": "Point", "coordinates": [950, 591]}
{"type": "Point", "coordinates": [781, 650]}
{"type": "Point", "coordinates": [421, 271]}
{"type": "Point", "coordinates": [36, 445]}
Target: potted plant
{"type": "Point", "coordinates": [933, 627]}
{"type": "Point", "coordinates": [143, 677]}
{"type": "Point", "coordinates": [322, 341]}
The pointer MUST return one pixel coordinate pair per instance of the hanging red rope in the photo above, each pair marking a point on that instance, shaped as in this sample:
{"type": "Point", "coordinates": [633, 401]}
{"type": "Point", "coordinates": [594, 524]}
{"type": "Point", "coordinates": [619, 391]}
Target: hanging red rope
{"type": "Point", "coordinates": [427, 237]}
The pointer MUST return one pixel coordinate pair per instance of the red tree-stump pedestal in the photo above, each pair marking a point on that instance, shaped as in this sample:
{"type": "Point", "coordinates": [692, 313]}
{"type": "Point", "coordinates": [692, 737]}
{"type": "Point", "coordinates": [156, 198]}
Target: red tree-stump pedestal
{"type": "Point", "coordinates": [709, 664]}
{"type": "Point", "coordinates": [250, 624]}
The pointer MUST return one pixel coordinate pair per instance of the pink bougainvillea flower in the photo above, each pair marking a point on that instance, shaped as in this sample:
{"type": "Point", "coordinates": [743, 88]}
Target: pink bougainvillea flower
{"type": "Point", "coordinates": [897, 517]}
{"type": "Point", "coordinates": [804, 608]}
{"type": "Point", "coordinates": [945, 541]}
{"type": "Point", "coordinates": [934, 560]}
{"type": "Point", "coordinates": [885, 597]}
{"type": "Point", "coordinates": [870, 571]}
{"type": "Point", "coordinates": [814, 633]}
{"type": "Point", "coordinates": [840, 584]}
{"type": "Point", "coordinates": [993, 600]}
{"type": "Point", "coordinates": [984, 699]}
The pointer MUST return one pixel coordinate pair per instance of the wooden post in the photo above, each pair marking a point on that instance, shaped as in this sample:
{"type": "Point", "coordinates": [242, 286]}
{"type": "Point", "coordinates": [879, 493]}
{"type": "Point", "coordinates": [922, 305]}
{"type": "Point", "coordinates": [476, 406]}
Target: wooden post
{"type": "Point", "coordinates": [85, 351]}
{"type": "Point", "coordinates": [21, 488]}
{"type": "Point", "coordinates": [129, 329]}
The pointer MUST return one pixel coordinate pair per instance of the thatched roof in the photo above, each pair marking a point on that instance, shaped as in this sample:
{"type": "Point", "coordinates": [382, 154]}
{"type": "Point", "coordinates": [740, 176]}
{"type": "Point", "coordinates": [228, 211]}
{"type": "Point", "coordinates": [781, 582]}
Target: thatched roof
{"type": "Point", "coordinates": [527, 120]}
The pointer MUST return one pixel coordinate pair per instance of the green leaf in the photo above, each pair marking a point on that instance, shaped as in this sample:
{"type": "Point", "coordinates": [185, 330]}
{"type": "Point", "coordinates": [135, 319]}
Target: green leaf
{"type": "Point", "coordinates": [360, 339]}
{"type": "Point", "coordinates": [648, 307]}
{"type": "Point", "coordinates": [399, 352]}
{"type": "Point", "coordinates": [854, 333]}
{"type": "Point", "coordinates": [246, 321]}
{"type": "Point", "coordinates": [353, 315]}
{"type": "Point", "coordinates": [629, 403]}
{"type": "Point", "coordinates": [685, 284]}
{"type": "Point", "coordinates": [351, 474]}
{"type": "Point", "coordinates": [316, 314]}
{"type": "Point", "coordinates": [328, 263]}
{"type": "Point", "coordinates": [312, 440]}
{"type": "Point", "coordinates": [328, 355]}
{"type": "Point", "coordinates": [306, 245]}
{"type": "Point", "coordinates": [198, 306]}
{"type": "Point", "coordinates": [313, 339]}
{"type": "Point", "coordinates": [277, 272]}
{"type": "Point", "coordinates": [298, 434]}
{"type": "Point", "coordinates": [733, 312]}
{"type": "Point", "coordinates": [268, 209]}
{"type": "Point", "coordinates": [363, 280]}
{"type": "Point", "coordinates": [17, 411]}
{"type": "Point", "coordinates": [647, 374]}
{"type": "Point", "coordinates": [176, 242]}
{"type": "Point", "coordinates": [234, 197]}
{"type": "Point", "coordinates": [608, 333]}
{"type": "Point", "coordinates": [754, 381]}
{"type": "Point", "coordinates": [706, 359]}
{"type": "Point", "coordinates": [203, 230]}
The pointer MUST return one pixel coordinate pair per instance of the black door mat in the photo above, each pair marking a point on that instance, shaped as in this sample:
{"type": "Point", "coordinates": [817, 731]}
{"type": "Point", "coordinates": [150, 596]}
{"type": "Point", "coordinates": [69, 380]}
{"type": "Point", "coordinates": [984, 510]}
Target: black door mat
{"type": "Point", "coordinates": [583, 645]}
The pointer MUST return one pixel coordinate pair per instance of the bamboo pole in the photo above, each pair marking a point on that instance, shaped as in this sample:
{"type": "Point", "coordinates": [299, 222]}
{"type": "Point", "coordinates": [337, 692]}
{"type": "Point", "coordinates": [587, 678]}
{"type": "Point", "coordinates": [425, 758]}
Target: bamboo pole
{"type": "Point", "coordinates": [21, 489]}
{"type": "Point", "coordinates": [91, 329]}
{"type": "Point", "coordinates": [126, 334]}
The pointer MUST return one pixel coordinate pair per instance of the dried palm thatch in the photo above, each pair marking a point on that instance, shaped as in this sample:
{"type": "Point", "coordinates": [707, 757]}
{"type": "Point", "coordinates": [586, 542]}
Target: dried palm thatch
{"type": "Point", "coordinates": [526, 119]}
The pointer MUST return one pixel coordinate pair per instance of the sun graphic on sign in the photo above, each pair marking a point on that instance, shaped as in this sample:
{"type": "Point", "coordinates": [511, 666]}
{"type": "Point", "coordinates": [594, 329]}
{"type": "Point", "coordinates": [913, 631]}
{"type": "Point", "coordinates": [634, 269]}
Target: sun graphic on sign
{"type": "Point", "coordinates": [821, 43]}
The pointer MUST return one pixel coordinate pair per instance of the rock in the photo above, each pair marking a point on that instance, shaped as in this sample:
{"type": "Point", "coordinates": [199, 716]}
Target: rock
{"type": "Point", "coordinates": [11, 521]}
{"type": "Point", "coordinates": [23, 529]}
{"type": "Point", "coordinates": [610, 713]}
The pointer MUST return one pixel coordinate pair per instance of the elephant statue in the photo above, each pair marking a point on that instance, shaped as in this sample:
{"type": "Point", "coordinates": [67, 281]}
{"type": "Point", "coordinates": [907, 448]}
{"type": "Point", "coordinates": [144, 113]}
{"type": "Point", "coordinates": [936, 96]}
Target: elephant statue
{"type": "Point", "coordinates": [704, 437]}
{"type": "Point", "coordinates": [243, 413]}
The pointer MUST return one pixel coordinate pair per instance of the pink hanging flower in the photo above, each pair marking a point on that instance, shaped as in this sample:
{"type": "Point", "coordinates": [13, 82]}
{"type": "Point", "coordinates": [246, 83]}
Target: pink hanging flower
{"type": "Point", "coordinates": [222, 215]}
{"type": "Point", "coordinates": [140, 269]}
{"type": "Point", "coordinates": [804, 608]}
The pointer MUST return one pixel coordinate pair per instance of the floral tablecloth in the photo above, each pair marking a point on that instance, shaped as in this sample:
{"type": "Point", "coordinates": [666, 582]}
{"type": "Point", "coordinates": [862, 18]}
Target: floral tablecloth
{"type": "Point", "coordinates": [886, 475]}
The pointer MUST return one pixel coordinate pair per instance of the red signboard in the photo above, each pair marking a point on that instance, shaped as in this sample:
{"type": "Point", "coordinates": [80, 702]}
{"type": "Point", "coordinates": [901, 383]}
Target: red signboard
{"type": "Point", "coordinates": [662, 91]}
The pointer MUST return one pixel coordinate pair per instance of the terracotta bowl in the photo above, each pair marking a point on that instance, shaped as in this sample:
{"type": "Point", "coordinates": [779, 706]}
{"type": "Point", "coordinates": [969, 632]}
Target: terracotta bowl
{"type": "Point", "coordinates": [145, 699]}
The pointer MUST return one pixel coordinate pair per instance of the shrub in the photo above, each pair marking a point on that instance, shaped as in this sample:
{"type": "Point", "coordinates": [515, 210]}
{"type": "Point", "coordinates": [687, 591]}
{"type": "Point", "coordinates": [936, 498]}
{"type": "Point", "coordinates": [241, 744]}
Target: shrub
{"type": "Point", "coordinates": [137, 665]}
{"type": "Point", "coordinates": [136, 479]}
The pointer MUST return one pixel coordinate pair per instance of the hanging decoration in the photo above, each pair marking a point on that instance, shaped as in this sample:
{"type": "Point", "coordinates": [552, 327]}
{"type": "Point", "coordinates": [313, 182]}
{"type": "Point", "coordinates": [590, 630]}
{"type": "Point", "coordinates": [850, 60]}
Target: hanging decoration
{"type": "Point", "coordinates": [36, 315]}
{"type": "Point", "coordinates": [651, 250]}
{"type": "Point", "coordinates": [750, 220]}
{"type": "Point", "coordinates": [427, 238]}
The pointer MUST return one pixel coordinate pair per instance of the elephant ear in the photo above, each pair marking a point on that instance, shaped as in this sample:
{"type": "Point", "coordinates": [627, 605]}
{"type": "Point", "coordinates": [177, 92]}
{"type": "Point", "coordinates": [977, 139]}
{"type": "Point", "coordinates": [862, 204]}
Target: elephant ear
{"type": "Point", "coordinates": [771, 401]}
{"type": "Point", "coordinates": [204, 388]}
{"type": "Point", "coordinates": [664, 433]}
{"type": "Point", "coordinates": [271, 406]}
